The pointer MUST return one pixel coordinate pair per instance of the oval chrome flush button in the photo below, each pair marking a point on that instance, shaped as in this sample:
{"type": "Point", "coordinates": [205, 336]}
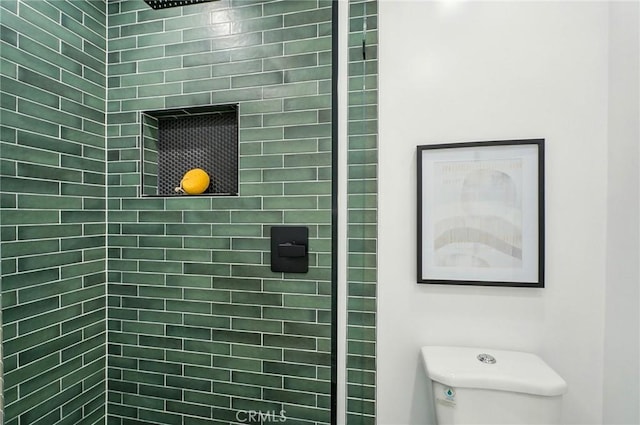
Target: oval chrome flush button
{"type": "Point", "coordinates": [486, 358]}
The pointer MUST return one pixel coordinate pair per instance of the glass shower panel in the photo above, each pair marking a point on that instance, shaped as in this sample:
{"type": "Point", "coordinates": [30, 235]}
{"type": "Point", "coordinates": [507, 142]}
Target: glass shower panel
{"type": "Point", "coordinates": [200, 329]}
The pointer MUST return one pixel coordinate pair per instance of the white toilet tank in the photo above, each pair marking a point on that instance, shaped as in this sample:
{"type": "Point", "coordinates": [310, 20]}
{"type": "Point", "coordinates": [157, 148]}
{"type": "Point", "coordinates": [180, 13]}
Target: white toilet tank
{"type": "Point", "coordinates": [486, 386]}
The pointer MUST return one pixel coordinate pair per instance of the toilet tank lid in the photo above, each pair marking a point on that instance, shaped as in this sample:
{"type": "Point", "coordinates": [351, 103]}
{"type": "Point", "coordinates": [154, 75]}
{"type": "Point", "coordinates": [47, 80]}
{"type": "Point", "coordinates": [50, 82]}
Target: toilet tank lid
{"type": "Point", "coordinates": [512, 371]}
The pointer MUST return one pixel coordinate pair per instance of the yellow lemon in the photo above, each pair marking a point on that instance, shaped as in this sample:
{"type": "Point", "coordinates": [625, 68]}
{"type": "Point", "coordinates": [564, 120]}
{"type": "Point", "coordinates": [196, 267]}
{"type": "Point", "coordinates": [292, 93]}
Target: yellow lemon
{"type": "Point", "coordinates": [194, 182]}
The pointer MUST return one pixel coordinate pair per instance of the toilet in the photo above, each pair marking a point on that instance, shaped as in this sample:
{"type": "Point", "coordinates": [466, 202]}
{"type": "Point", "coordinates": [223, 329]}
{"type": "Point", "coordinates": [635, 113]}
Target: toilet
{"type": "Point", "coordinates": [486, 386]}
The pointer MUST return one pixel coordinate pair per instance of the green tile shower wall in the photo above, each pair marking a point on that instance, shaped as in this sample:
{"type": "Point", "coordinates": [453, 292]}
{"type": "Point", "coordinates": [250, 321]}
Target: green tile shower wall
{"type": "Point", "coordinates": [200, 329]}
{"type": "Point", "coordinates": [53, 87]}
{"type": "Point", "coordinates": [362, 205]}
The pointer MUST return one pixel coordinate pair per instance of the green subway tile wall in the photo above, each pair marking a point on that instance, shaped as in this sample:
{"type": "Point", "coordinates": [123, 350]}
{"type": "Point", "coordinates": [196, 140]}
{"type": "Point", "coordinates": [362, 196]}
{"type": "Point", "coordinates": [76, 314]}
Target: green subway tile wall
{"type": "Point", "coordinates": [362, 205]}
{"type": "Point", "coordinates": [53, 84]}
{"type": "Point", "coordinates": [200, 330]}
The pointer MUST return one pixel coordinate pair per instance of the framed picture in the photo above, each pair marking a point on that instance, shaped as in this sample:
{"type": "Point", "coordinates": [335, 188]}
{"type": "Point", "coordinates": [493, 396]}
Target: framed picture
{"type": "Point", "coordinates": [481, 213]}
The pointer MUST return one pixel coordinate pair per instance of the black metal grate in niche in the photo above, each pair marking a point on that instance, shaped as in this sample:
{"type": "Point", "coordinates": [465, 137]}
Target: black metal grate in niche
{"type": "Point", "coordinates": [207, 141]}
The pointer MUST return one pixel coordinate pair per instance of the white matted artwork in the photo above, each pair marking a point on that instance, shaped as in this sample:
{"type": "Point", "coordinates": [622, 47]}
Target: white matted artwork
{"type": "Point", "coordinates": [481, 213]}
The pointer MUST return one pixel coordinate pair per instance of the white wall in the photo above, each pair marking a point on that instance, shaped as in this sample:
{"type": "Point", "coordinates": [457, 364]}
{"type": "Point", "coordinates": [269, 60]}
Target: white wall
{"type": "Point", "coordinates": [465, 71]}
{"type": "Point", "coordinates": [622, 332]}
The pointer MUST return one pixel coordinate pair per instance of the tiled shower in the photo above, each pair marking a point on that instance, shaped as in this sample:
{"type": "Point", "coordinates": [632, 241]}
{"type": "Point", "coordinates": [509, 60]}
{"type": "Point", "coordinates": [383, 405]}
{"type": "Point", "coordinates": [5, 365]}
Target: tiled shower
{"type": "Point", "coordinates": [120, 308]}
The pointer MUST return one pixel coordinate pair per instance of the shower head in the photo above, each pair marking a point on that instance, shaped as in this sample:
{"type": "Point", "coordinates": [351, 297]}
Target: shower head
{"type": "Point", "coordinates": [163, 4]}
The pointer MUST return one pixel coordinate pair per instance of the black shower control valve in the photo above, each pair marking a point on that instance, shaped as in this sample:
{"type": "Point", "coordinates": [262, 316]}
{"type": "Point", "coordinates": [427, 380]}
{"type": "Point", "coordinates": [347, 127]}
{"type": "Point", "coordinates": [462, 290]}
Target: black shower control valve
{"type": "Point", "coordinates": [290, 249]}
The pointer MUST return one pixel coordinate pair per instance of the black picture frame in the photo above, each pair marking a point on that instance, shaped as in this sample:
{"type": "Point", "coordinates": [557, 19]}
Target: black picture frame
{"type": "Point", "coordinates": [481, 213]}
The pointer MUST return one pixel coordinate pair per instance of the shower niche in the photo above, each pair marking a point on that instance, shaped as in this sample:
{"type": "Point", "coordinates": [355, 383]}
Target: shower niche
{"type": "Point", "coordinates": [174, 141]}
